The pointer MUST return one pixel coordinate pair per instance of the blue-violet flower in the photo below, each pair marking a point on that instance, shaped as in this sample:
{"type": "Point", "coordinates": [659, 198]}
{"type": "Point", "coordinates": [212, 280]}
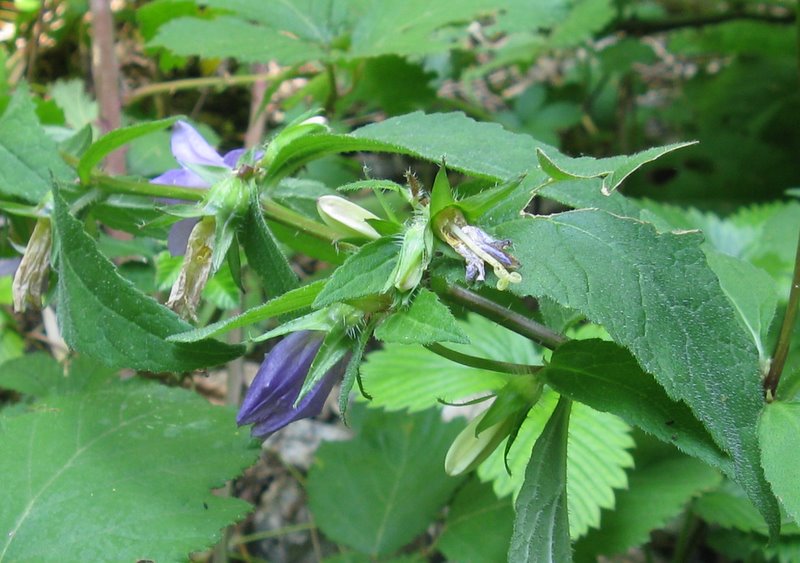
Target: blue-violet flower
{"type": "Point", "coordinates": [269, 403]}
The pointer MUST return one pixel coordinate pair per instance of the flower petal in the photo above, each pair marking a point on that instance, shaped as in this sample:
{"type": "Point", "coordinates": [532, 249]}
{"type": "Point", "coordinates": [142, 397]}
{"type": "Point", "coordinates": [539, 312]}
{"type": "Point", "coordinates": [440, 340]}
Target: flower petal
{"type": "Point", "coordinates": [180, 177]}
{"type": "Point", "coordinates": [231, 158]}
{"type": "Point", "coordinates": [189, 147]}
{"type": "Point", "coordinates": [178, 236]}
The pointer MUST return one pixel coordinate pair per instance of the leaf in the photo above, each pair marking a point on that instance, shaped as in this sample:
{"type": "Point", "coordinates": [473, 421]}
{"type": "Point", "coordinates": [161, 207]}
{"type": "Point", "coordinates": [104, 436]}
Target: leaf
{"type": "Point", "coordinates": [391, 476]}
{"type": "Point", "coordinates": [34, 374]}
{"type": "Point", "coordinates": [79, 109]}
{"type": "Point", "coordinates": [541, 526]}
{"type": "Point", "coordinates": [613, 170]}
{"type": "Point", "coordinates": [596, 460]}
{"type": "Point", "coordinates": [364, 273]}
{"type": "Point", "coordinates": [263, 254]}
{"type": "Point", "coordinates": [102, 315]}
{"type": "Point", "coordinates": [478, 525]}
{"type": "Point", "coordinates": [606, 377]}
{"type": "Point", "coordinates": [658, 490]}
{"type": "Point", "coordinates": [74, 464]}
{"type": "Point", "coordinates": [114, 140]}
{"type": "Point", "coordinates": [427, 320]}
{"type": "Point", "coordinates": [294, 300]}
{"type": "Point", "coordinates": [779, 432]}
{"type": "Point", "coordinates": [736, 545]}
{"type": "Point", "coordinates": [414, 378]}
{"type": "Point", "coordinates": [752, 293]}
{"type": "Point", "coordinates": [655, 295]}
{"type": "Point", "coordinates": [29, 159]}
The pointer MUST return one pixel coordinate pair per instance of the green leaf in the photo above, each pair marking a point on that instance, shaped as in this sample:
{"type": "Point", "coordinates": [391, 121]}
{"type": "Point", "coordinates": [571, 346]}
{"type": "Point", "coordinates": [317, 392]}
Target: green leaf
{"type": "Point", "coordinates": [478, 525]}
{"type": "Point", "coordinates": [79, 109]}
{"type": "Point", "coordinates": [427, 320]}
{"type": "Point", "coordinates": [779, 433]}
{"type": "Point", "coordinates": [263, 254]}
{"type": "Point", "coordinates": [607, 378]}
{"type": "Point", "coordinates": [541, 526]}
{"type": "Point", "coordinates": [114, 140]}
{"type": "Point", "coordinates": [294, 300]}
{"type": "Point", "coordinates": [596, 460]}
{"type": "Point", "coordinates": [351, 372]}
{"type": "Point", "coordinates": [658, 490]}
{"type": "Point", "coordinates": [29, 159]}
{"type": "Point", "coordinates": [736, 545]}
{"type": "Point", "coordinates": [752, 293]}
{"type": "Point", "coordinates": [75, 463]}
{"type": "Point", "coordinates": [102, 315]}
{"type": "Point", "coordinates": [414, 378]}
{"type": "Point", "coordinates": [391, 476]}
{"type": "Point", "coordinates": [36, 374]}
{"type": "Point", "coordinates": [613, 170]}
{"type": "Point", "coordinates": [364, 273]}
{"type": "Point", "coordinates": [656, 295]}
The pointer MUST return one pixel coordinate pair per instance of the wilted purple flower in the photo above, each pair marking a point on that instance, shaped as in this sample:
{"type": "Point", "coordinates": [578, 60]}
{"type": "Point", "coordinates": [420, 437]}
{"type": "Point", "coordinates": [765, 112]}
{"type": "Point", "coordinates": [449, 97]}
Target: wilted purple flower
{"type": "Point", "coordinates": [269, 403]}
{"type": "Point", "coordinates": [190, 148]}
{"type": "Point", "coordinates": [478, 248]}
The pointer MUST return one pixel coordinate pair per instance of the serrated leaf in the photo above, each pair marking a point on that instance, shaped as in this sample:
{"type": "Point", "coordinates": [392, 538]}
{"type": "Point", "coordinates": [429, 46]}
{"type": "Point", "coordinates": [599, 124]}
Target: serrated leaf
{"type": "Point", "coordinates": [75, 463]}
{"type": "Point", "coordinates": [79, 109]}
{"type": "Point", "coordinates": [541, 527]}
{"type": "Point", "coordinates": [114, 140]}
{"type": "Point", "coordinates": [427, 320]}
{"type": "Point", "coordinates": [658, 490]}
{"type": "Point", "coordinates": [263, 254]}
{"type": "Point", "coordinates": [392, 477]}
{"type": "Point", "coordinates": [612, 170]}
{"type": "Point", "coordinates": [29, 159]}
{"type": "Point", "coordinates": [478, 525]}
{"type": "Point", "coordinates": [779, 434]}
{"type": "Point", "coordinates": [102, 315]}
{"type": "Point", "coordinates": [414, 378]}
{"type": "Point", "coordinates": [656, 295]}
{"type": "Point", "coordinates": [607, 378]}
{"type": "Point", "coordinates": [294, 300]}
{"type": "Point", "coordinates": [364, 273]}
{"type": "Point", "coordinates": [596, 460]}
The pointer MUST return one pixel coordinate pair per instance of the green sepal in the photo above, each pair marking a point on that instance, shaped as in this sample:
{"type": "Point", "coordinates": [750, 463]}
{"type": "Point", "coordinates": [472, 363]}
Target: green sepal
{"type": "Point", "coordinates": [387, 185]}
{"type": "Point", "coordinates": [475, 206]}
{"type": "Point", "coordinates": [234, 260]}
{"type": "Point", "coordinates": [326, 319]}
{"type": "Point", "coordinates": [518, 396]}
{"type": "Point", "coordinates": [336, 345]}
{"type": "Point", "coordinates": [441, 193]}
{"type": "Point", "coordinates": [384, 227]}
{"type": "Point", "coordinates": [351, 373]}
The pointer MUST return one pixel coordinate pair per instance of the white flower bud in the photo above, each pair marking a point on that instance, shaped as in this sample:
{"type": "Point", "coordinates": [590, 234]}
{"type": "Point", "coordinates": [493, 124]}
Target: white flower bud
{"type": "Point", "coordinates": [346, 218]}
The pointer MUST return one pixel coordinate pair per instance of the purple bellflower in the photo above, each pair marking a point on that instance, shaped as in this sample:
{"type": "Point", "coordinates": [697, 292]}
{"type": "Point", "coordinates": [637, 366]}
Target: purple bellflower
{"type": "Point", "coordinates": [190, 148]}
{"type": "Point", "coordinates": [269, 403]}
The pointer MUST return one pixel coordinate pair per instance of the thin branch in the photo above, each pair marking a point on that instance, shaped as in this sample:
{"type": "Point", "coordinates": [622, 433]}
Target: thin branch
{"type": "Point", "coordinates": [647, 27]}
{"type": "Point", "coordinates": [784, 339]}
{"type": "Point", "coordinates": [505, 317]}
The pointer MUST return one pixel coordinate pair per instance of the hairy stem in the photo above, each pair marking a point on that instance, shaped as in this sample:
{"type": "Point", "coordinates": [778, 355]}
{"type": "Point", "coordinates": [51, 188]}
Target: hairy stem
{"type": "Point", "coordinates": [784, 339]}
{"type": "Point", "coordinates": [505, 317]}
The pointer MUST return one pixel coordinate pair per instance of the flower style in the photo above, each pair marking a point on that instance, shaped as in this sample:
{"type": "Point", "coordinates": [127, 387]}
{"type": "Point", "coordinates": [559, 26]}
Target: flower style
{"type": "Point", "coordinates": [269, 403]}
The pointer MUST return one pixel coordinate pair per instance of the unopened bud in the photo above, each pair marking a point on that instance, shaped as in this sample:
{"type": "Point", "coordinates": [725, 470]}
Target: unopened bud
{"type": "Point", "coordinates": [415, 254]}
{"type": "Point", "coordinates": [196, 268]}
{"type": "Point", "coordinates": [346, 218]}
{"type": "Point", "coordinates": [34, 269]}
{"type": "Point", "coordinates": [469, 450]}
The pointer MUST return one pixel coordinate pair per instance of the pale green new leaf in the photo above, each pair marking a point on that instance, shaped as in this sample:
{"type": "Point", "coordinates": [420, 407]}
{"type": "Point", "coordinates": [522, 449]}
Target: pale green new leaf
{"type": "Point", "coordinates": [427, 320]}
{"type": "Point", "coordinates": [391, 478]}
{"type": "Point", "coordinates": [624, 275]}
{"type": "Point", "coordinates": [779, 433]}
{"type": "Point", "coordinates": [136, 462]}
{"type": "Point", "coordinates": [597, 456]}
{"type": "Point", "coordinates": [79, 109]}
{"type": "Point", "coordinates": [414, 378]}
{"type": "Point", "coordinates": [29, 160]}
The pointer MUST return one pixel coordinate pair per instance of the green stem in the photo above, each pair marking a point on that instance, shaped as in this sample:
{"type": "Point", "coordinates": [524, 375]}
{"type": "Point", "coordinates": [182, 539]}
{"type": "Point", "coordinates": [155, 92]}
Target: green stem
{"type": "Point", "coordinates": [482, 363]}
{"type": "Point", "coordinates": [505, 317]}
{"type": "Point", "coordinates": [785, 337]}
{"type": "Point", "coordinates": [273, 533]}
{"type": "Point", "coordinates": [193, 83]}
